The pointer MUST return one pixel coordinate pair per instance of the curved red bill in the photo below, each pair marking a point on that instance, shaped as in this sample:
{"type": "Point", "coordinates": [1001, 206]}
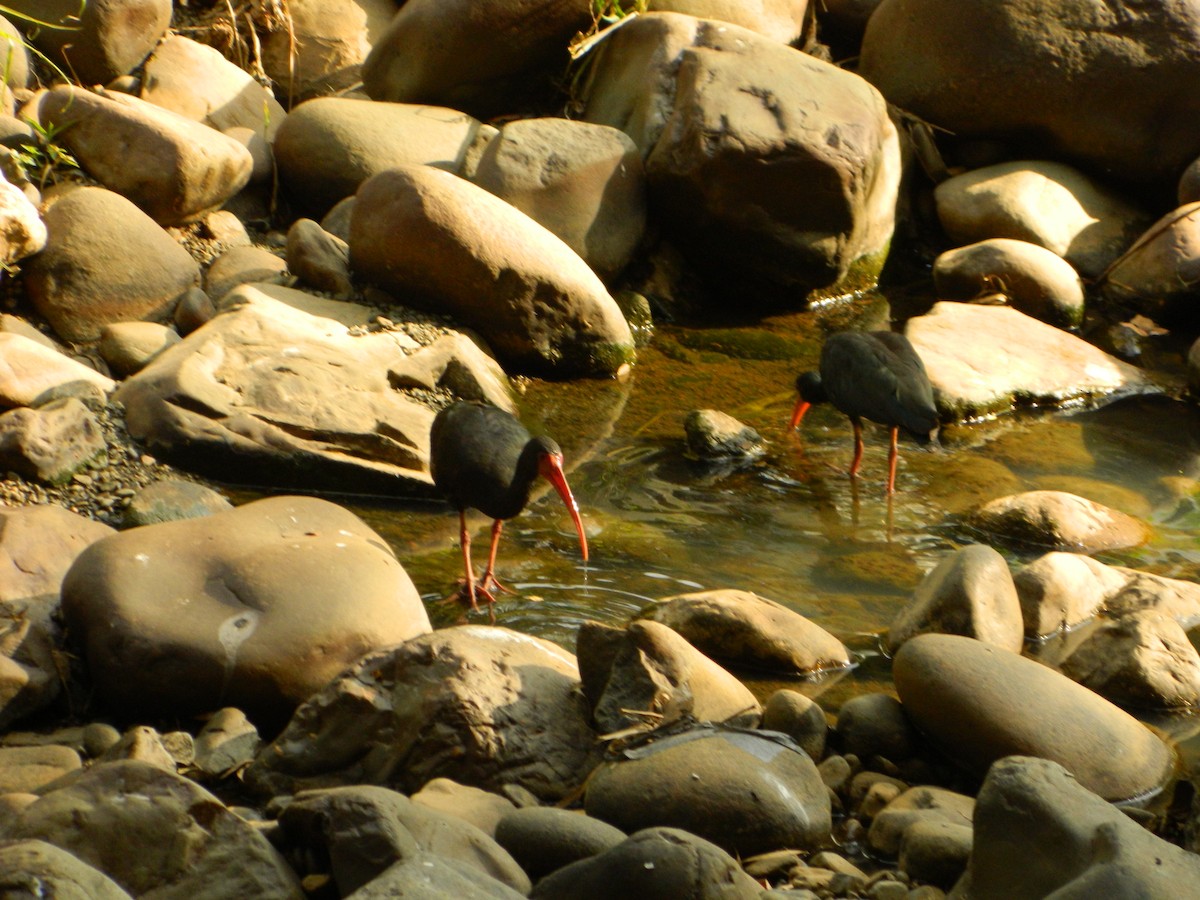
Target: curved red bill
{"type": "Point", "coordinates": [802, 406]}
{"type": "Point", "coordinates": [550, 468]}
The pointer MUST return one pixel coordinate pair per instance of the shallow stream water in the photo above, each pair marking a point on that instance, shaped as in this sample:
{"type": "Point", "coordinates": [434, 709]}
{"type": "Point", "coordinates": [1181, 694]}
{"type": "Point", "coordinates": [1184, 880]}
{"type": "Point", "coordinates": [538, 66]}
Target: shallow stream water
{"type": "Point", "coordinates": [792, 526]}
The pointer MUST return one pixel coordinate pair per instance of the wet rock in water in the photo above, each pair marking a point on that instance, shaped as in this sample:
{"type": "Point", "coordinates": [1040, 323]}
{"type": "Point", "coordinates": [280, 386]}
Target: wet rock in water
{"type": "Point", "coordinates": [545, 839]}
{"type": "Point", "coordinates": [483, 809]}
{"type": "Point", "coordinates": [227, 742]}
{"type": "Point", "coordinates": [982, 359]}
{"type": "Point", "coordinates": [961, 481]}
{"type": "Point", "coordinates": [1035, 280]}
{"type": "Point", "coordinates": [648, 669]}
{"type": "Point", "coordinates": [485, 706]}
{"type": "Point", "coordinates": [364, 830]}
{"type": "Point", "coordinates": [1122, 499]}
{"type": "Point", "coordinates": [171, 499]}
{"type": "Point", "coordinates": [979, 703]}
{"type": "Point", "coordinates": [711, 434]}
{"type": "Point", "coordinates": [38, 544]}
{"type": "Point", "coordinates": [447, 245]}
{"type": "Point", "coordinates": [1027, 805]}
{"type": "Point", "coordinates": [1051, 446]}
{"type": "Point", "coordinates": [27, 769]}
{"type": "Point", "coordinates": [242, 265]}
{"type": "Point", "coordinates": [1050, 204]}
{"type": "Point", "coordinates": [936, 852]}
{"type": "Point", "coordinates": [246, 607]}
{"type": "Point", "coordinates": [1059, 521]}
{"type": "Point", "coordinates": [653, 864]}
{"type": "Point", "coordinates": [918, 804]}
{"type": "Point", "coordinates": [31, 369]}
{"type": "Point", "coordinates": [35, 868]}
{"type": "Point", "coordinates": [85, 279]}
{"type": "Point", "coordinates": [875, 725]}
{"type": "Point", "coordinates": [128, 346]}
{"type": "Point", "coordinates": [583, 182]}
{"type": "Point", "coordinates": [288, 388]}
{"type": "Point", "coordinates": [115, 815]}
{"type": "Point", "coordinates": [1154, 275]}
{"type": "Point", "coordinates": [799, 717]}
{"type": "Point", "coordinates": [970, 592]}
{"type": "Point", "coordinates": [746, 792]}
{"type": "Point", "coordinates": [669, 79]}
{"type": "Point", "coordinates": [1059, 591]}
{"type": "Point", "coordinates": [742, 628]}
{"type": "Point", "coordinates": [319, 259]}
{"type": "Point", "coordinates": [1143, 659]}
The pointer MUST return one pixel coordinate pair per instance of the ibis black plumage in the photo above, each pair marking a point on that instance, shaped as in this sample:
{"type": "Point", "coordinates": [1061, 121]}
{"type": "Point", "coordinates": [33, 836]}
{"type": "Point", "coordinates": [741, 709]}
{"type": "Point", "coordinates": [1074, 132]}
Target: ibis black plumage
{"type": "Point", "coordinates": [874, 375]}
{"type": "Point", "coordinates": [483, 458]}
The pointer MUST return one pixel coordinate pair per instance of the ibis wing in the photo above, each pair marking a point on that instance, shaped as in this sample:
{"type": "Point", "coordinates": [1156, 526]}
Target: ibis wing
{"type": "Point", "coordinates": [879, 376]}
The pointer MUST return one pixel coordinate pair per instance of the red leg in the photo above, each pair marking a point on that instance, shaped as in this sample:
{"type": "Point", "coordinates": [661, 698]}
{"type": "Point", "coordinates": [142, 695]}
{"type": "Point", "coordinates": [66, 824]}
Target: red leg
{"type": "Point", "coordinates": [464, 539]}
{"type": "Point", "coordinates": [858, 448]}
{"type": "Point", "coordinates": [489, 579]}
{"type": "Point", "coordinates": [892, 454]}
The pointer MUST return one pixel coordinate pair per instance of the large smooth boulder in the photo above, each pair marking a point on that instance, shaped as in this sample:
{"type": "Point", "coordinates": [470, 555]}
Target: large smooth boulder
{"type": "Point", "coordinates": [155, 834]}
{"type": "Point", "coordinates": [649, 668]}
{"type": "Point", "coordinates": [970, 592]}
{"type": "Point", "coordinates": [742, 628]}
{"type": "Point", "coordinates": [1083, 80]}
{"type": "Point", "coordinates": [979, 703]}
{"type": "Point", "coordinates": [983, 360]}
{"type": "Point", "coordinates": [1035, 280]}
{"type": "Point", "coordinates": [485, 706]}
{"type": "Point", "coordinates": [1049, 204]}
{"type": "Point", "coordinates": [198, 82]}
{"type": "Point", "coordinates": [174, 168]}
{"type": "Point", "coordinates": [441, 243]}
{"type": "Point", "coordinates": [734, 127]}
{"type": "Point", "coordinates": [290, 389]}
{"type": "Point", "coordinates": [98, 40]}
{"type": "Point", "coordinates": [485, 57]}
{"type": "Point", "coordinates": [330, 145]}
{"type": "Point", "coordinates": [745, 792]}
{"type": "Point", "coordinates": [105, 261]}
{"type": "Point", "coordinates": [257, 607]}
{"type": "Point", "coordinates": [583, 182]}
{"type": "Point", "coordinates": [323, 44]}
{"type": "Point", "coordinates": [1040, 833]}
{"type": "Point", "coordinates": [1058, 520]}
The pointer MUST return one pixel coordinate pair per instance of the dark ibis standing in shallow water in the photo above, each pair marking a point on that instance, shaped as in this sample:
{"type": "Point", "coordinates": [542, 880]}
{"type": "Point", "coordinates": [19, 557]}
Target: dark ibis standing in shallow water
{"type": "Point", "coordinates": [874, 375]}
{"type": "Point", "coordinates": [482, 458]}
